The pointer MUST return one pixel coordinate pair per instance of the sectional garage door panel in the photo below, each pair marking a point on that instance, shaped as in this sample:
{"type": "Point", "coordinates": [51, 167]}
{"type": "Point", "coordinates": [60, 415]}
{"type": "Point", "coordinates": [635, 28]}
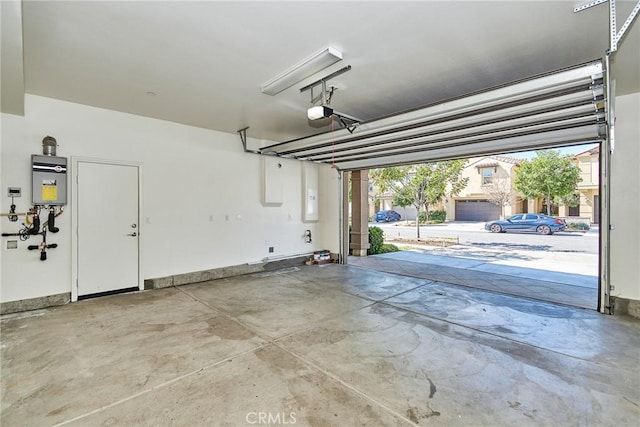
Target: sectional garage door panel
{"type": "Point", "coordinates": [564, 107]}
{"type": "Point", "coordinates": [476, 210]}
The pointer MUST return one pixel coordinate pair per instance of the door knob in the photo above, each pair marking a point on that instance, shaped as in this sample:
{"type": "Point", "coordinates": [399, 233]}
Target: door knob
{"type": "Point", "coordinates": [134, 234]}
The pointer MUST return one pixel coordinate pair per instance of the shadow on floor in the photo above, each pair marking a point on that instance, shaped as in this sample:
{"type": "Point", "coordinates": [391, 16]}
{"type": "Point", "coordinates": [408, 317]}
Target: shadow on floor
{"type": "Point", "coordinates": [564, 288]}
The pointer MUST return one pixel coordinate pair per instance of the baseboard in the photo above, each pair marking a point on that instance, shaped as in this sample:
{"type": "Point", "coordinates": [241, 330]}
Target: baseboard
{"type": "Point", "coordinates": [222, 272]}
{"type": "Point", "coordinates": [164, 282]}
{"type": "Point", "coordinates": [34, 303]}
{"type": "Point", "coordinates": [625, 307]}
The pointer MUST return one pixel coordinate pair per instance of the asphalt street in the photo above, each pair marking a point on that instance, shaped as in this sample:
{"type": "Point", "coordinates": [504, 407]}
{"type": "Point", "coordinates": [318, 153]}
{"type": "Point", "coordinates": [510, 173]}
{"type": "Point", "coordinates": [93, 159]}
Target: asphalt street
{"type": "Point", "coordinates": [473, 234]}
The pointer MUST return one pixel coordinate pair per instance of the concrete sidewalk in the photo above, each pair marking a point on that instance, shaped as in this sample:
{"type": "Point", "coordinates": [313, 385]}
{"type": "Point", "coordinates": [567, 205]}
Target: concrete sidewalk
{"type": "Point", "coordinates": [546, 272]}
{"type": "Point", "coordinates": [570, 268]}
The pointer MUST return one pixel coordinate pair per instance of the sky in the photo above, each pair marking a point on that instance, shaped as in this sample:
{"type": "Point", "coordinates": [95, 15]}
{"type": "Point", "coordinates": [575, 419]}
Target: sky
{"type": "Point", "coordinates": [574, 149]}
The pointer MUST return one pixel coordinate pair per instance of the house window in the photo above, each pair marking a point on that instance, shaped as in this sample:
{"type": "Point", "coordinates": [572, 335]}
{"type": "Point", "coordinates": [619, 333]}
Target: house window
{"type": "Point", "coordinates": [574, 210]}
{"type": "Point", "coordinates": [487, 176]}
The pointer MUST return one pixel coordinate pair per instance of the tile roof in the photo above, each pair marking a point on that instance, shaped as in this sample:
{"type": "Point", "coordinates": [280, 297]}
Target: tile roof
{"type": "Point", "coordinates": [507, 159]}
{"type": "Point", "coordinates": [590, 152]}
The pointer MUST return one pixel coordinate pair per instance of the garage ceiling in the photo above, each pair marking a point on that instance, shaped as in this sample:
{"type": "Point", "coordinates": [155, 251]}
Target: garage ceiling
{"type": "Point", "coordinates": [206, 61]}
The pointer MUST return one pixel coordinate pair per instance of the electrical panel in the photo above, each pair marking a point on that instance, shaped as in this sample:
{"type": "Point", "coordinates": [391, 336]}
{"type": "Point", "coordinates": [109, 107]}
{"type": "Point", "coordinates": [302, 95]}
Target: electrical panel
{"type": "Point", "coordinates": [49, 180]}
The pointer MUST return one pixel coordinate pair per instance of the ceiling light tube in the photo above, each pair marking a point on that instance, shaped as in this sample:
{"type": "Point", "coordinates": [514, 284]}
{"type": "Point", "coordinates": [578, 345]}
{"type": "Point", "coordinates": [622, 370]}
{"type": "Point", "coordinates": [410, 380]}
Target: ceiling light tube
{"type": "Point", "coordinates": [304, 69]}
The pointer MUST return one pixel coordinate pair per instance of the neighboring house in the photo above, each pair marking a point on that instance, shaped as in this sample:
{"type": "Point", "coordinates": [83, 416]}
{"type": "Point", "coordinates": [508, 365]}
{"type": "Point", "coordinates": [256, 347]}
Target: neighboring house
{"type": "Point", "coordinates": [488, 177]}
{"type": "Point", "coordinates": [384, 201]}
{"type": "Point", "coordinates": [589, 188]}
{"type": "Point", "coordinates": [489, 193]}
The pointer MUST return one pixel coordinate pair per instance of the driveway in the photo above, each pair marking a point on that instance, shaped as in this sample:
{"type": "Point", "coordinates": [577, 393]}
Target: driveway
{"type": "Point", "coordinates": [559, 268]}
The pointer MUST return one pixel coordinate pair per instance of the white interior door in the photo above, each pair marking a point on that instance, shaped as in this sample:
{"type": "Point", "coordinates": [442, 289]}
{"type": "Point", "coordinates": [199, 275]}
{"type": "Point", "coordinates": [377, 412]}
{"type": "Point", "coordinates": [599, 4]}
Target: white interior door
{"type": "Point", "coordinates": [108, 232]}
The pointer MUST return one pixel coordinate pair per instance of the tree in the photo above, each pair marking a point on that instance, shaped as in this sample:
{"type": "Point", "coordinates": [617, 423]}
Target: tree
{"type": "Point", "coordinates": [422, 185]}
{"type": "Point", "coordinates": [572, 200]}
{"type": "Point", "coordinates": [403, 201]}
{"type": "Point", "coordinates": [499, 192]}
{"type": "Point", "coordinates": [549, 176]}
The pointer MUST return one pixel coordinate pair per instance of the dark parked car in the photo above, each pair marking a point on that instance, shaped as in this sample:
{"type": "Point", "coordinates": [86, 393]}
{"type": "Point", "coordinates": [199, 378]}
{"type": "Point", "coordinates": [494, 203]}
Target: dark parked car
{"type": "Point", "coordinates": [386, 216]}
{"type": "Point", "coordinates": [527, 223]}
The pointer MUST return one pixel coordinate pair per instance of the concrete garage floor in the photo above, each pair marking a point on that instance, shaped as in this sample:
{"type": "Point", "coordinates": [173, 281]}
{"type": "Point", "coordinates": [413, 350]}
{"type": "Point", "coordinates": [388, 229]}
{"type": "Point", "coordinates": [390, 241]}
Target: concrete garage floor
{"type": "Point", "coordinates": [321, 346]}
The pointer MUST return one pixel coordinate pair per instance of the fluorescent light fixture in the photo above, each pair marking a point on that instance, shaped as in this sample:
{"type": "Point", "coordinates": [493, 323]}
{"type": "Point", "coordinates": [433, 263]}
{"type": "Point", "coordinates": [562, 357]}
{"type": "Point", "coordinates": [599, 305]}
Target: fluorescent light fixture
{"type": "Point", "coordinates": [319, 112]}
{"type": "Point", "coordinates": [302, 70]}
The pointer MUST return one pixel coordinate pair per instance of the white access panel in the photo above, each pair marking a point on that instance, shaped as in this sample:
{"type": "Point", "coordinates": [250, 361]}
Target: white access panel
{"type": "Point", "coordinates": [310, 192]}
{"type": "Point", "coordinates": [272, 181]}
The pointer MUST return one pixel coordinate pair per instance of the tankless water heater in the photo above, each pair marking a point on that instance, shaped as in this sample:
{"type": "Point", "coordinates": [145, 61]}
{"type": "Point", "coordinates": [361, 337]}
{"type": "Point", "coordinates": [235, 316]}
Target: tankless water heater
{"type": "Point", "coordinates": [49, 180]}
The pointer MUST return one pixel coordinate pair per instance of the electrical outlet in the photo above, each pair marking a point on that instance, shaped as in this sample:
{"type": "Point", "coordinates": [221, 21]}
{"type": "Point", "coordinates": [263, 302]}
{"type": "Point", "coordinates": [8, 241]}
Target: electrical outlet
{"type": "Point", "coordinates": [270, 249]}
{"type": "Point", "coordinates": [12, 244]}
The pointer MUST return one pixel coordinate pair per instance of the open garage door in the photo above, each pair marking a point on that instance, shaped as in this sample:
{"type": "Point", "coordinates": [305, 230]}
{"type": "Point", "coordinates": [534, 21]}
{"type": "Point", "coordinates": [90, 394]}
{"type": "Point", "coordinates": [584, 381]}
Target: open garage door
{"type": "Point", "coordinates": [476, 210]}
{"type": "Point", "coordinates": [565, 107]}
{"type": "Point", "coordinates": [561, 108]}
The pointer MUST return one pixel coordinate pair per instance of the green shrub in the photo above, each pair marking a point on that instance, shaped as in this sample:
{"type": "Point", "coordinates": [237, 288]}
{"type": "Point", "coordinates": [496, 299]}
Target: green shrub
{"type": "Point", "coordinates": [376, 240]}
{"type": "Point", "coordinates": [388, 247]}
{"type": "Point", "coordinates": [435, 217]}
{"type": "Point", "coordinates": [578, 226]}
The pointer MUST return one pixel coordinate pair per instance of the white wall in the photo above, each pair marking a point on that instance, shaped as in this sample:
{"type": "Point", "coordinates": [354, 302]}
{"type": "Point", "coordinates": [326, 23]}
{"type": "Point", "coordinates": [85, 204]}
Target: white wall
{"type": "Point", "coordinates": [625, 199]}
{"type": "Point", "coordinates": [190, 175]}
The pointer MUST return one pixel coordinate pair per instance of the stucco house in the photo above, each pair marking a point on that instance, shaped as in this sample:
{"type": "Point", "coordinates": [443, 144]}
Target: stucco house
{"type": "Point", "coordinates": [589, 188]}
{"type": "Point", "coordinates": [491, 179]}
{"type": "Point", "coordinates": [489, 193]}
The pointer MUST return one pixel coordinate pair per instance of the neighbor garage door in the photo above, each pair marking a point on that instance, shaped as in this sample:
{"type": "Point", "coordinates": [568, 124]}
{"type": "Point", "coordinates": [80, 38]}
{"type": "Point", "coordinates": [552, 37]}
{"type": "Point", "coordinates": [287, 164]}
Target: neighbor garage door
{"type": "Point", "coordinates": [476, 210]}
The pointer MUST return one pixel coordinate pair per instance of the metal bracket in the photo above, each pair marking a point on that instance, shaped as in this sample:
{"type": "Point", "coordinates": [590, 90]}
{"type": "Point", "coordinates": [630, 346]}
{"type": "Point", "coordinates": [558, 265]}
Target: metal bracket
{"type": "Point", "coordinates": [243, 138]}
{"type": "Point", "coordinates": [588, 5]}
{"type": "Point", "coordinates": [347, 121]}
{"type": "Point", "coordinates": [615, 36]}
{"type": "Point", "coordinates": [326, 78]}
{"type": "Point", "coordinates": [628, 22]}
{"type": "Point", "coordinates": [348, 126]}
